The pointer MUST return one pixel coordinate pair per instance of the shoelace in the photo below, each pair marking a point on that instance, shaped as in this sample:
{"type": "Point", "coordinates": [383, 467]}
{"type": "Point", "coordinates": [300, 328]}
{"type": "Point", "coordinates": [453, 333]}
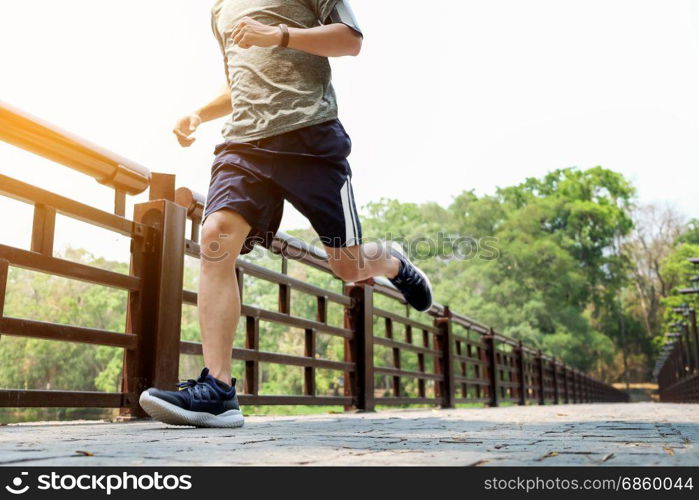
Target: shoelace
{"type": "Point", "coordinates": [187, 383]}
{"type": "Point", "coordinates": [412, 278]}
{"type": "Point", "coordinates": [198, 390]}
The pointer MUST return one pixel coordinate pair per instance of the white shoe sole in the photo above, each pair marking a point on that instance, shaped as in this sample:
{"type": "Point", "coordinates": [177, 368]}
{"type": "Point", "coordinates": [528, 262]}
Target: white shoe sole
{"type": "Point", "coordinates": [174, 415]}
{"type": "Point", "coordinates": [399, 249]}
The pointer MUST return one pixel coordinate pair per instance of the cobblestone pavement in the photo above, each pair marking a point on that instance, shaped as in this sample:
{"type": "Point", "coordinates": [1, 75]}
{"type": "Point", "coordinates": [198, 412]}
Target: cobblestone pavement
{"type": "Point", "coordinates": [589, 434]}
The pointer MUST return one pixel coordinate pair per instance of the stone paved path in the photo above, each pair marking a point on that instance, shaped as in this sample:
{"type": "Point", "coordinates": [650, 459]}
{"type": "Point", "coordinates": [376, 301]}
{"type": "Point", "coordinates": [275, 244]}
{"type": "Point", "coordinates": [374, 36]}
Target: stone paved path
{"type": "Point", "coordinates": [591, 434]}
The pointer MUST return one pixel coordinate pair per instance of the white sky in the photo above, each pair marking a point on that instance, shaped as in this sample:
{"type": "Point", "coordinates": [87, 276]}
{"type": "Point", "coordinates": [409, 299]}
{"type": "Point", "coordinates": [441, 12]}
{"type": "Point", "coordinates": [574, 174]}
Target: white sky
{"type": "Point", "coordinates": [447, 95]}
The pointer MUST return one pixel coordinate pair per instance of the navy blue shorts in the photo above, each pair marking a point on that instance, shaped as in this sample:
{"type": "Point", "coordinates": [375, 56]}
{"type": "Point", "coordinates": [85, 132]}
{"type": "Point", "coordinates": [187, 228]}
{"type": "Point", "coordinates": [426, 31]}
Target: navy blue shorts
{"type": "Point", "coordinates": [308, 167]}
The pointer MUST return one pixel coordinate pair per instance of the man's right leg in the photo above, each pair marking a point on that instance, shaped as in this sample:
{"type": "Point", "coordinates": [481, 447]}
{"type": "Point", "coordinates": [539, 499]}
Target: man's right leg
{"type": "Point", "coordinates": [223, 235]}
{"type": "Point", "coordinates": [210, 401]}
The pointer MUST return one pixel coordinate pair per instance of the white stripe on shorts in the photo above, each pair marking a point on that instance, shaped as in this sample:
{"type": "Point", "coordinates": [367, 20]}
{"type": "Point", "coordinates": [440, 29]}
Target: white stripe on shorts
{"type": "Point", "coordinates": [351, 223]}
{"type": "Point", "coordinates": [355, 217]}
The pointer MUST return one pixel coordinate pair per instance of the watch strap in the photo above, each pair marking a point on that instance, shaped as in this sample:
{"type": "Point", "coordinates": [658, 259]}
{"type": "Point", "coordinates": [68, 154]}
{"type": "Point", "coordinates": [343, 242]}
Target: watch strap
{"type": "Point", "coordinates": [285, 35]}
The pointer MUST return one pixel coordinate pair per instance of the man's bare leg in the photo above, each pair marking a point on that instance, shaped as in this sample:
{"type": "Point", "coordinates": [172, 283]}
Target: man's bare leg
{"type": "Point", "coordinates": [208, 401]}
{"type": "Point", "coordinates": [223, 235]}
{"type": "Point", "coordinates": [361, 262]}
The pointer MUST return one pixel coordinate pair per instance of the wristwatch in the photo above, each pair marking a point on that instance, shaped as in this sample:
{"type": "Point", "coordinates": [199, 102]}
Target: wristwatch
{"type": "Point", "coordinates": [285, 35]}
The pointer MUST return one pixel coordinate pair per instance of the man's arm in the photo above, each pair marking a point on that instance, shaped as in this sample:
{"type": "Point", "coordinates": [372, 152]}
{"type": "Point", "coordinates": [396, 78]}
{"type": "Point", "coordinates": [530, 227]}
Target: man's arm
{"type": "Point", "coordinates": [218, 107]}
{"type": "Point", "coordinates": [331, 40]}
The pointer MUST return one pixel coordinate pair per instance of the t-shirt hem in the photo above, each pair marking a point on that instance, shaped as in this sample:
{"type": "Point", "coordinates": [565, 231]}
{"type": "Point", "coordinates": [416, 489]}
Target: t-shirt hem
{"type": "Point", "coordinates": [279, 130]}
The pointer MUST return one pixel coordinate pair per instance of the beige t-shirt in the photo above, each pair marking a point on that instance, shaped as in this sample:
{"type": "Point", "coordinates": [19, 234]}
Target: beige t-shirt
{"type": "Point", "coordinates": [274, 89]}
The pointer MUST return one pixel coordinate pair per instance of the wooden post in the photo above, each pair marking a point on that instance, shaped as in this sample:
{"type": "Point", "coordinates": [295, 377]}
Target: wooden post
{"type": "Point", "coordinates": [119, 203]}
{"type": "Point", "coordinates": [4, 271]}
{"type": "Point", "coordinates": [446, 363]}
{"type": "Point", "coordinates": [322, 310]}
{"type": "Point", "coordinates": [154, 313]}
{"type": "Point", "coordinates": [360, 348]}
{"type": "Point", "coordinates": [540, 375]}
{"type": "Point", "coordinates": [521, 376]}
{"type": "Point", "coordinates": [554, 373]}
{"type": "Point", "coordinates": [309, 374]}
{"type": "Point", "coordinates": [196, 229]}
{"type": "Point", "coordinates": [421, 388]}
{"type": "Point", "coordinates": [252, 367]}
{"type": "Point", "coordinates": [458, 346]}
{"type": "Point", "coordinates": [43, 229]}
{"type": "Point", "coordinates": [491, 350]}
{"type": "Point", "coordinates": [564, 374]}
{"type": "Point", "coordinates": [686, 335]}
{"type": "Point", "coordinates": [479, 369]}
{"type": "Point", "coordinates": [695, 335]}
{"type": "Point", "coordinates": [396, 358]}
{"type": "Point", "coordinates": [683, 356]}
{"type": "Point", "coordinates": [586, 389]}
{"type": "Point", "coordinates": [285, 290]}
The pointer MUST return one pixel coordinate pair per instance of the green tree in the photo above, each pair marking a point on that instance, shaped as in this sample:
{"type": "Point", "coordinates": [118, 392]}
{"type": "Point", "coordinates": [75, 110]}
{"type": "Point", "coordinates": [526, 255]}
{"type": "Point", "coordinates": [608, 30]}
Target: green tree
{"type": "Point", "coordinates": [555, 271]}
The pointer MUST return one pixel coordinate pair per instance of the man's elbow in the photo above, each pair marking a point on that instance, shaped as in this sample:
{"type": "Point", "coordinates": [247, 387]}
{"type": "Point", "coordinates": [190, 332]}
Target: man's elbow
{"type": "Point", "coordinates": [355, 47]}
{"type": "Point", "coordinates": [352, 40]}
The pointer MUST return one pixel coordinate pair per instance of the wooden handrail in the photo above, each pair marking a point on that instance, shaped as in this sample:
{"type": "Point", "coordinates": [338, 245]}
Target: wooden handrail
{"type": "Point", "coordinates": [49, 141]}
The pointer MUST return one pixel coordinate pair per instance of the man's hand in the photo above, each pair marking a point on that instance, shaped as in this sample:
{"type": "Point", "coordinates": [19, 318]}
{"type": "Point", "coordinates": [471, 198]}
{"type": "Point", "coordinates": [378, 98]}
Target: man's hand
{"type": "Point", "coordinates": [185, 127]}
{"type": "Point", "coordinates": [250, 33]}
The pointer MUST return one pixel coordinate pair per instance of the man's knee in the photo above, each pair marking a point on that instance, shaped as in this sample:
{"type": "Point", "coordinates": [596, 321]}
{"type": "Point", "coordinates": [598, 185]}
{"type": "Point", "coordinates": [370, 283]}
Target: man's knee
{"type": "Point", "coordinates": [223, 235]}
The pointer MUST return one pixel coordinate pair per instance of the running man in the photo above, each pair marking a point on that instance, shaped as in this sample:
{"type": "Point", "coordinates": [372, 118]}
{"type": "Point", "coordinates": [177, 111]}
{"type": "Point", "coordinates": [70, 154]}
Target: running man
{"type": "Point", "coordinates": [283, 141]}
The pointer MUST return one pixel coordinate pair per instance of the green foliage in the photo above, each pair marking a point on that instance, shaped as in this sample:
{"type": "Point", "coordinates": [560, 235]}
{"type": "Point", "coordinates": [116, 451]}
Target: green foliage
{"type": "Point", "coordinates": [554, 273]}
{"type": "Point", "coordinates": [691, 234]}
{"type": "Point", "coordinates": [676, 270]}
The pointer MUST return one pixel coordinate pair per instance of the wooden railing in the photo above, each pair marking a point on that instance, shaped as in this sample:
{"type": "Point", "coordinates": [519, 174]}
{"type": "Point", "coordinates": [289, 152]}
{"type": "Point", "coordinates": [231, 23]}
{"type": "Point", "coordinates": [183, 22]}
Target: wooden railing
{"type": "Point", "coordinates": [677, 368]}
{"type": "Point", "coordinates": [453, 359]}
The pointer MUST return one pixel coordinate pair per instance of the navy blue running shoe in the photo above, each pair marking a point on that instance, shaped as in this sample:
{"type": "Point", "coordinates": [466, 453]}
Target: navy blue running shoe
{"type": "Point", "coordinates": [204, 402]}
{"type": "Point", "coordinates": [411, 281]}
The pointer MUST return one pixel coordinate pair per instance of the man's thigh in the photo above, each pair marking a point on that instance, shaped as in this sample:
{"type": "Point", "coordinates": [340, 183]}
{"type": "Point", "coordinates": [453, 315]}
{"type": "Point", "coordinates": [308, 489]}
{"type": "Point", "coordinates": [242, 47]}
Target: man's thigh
{"type": "Point", "coordinates": [327, 201]}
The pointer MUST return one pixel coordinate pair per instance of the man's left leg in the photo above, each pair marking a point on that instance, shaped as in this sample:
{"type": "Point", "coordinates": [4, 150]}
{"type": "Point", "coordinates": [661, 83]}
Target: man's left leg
{"type": "Point", "coordinates": [362, 262]}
